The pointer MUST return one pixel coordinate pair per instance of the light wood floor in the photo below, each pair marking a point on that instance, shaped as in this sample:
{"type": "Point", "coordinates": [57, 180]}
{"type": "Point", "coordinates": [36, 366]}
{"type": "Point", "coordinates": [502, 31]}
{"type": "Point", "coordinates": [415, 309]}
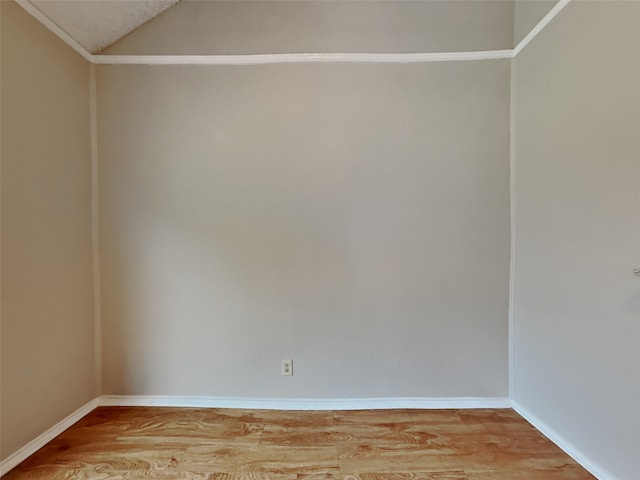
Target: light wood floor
{"type": "Point", "coordinates": [226, 444]}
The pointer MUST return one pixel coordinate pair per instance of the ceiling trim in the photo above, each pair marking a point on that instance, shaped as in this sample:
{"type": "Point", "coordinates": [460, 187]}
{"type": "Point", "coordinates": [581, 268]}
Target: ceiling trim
{"type": "Point", "coordinates": [261, 59]}
{"type": "Point", "coordinates": [271, 58]}
{"type": "Point", "coordinates": [557, 8]}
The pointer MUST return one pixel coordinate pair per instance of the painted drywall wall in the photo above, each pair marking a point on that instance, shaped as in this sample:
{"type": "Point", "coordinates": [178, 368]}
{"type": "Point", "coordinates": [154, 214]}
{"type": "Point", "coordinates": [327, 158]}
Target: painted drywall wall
{"type": "Point", "coordinates": [351, 217]}
{"type": "Point", "coordinates": [47, 310]}
{"type": "Point", "coordinates": [231, 27]}
{"type": "Point", "coordinates": [527, 14]}
{"type": "Point", "coordinates": [577, 165]}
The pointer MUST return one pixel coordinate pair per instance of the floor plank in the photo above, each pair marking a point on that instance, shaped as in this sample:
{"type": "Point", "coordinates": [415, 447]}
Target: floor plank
{"type": "Point", "coordinates": [229, 433]}
{"type": "Point", "coordinates": [410, 458]}
{"type": "Point", "coordinates": [111, 455]}
{"type": "Point", "coordinates": [397, 417]}
{"type": "Point", "coordinates": [285, 418]}
{"type": "Point", "coordinates": [453, 475]}
{"type": "Point", "coordinates": [383, 434]}
{"type": "Point", "coordinates": [274, 460]}
{"type": "Point", "coordinates": [91, 474]}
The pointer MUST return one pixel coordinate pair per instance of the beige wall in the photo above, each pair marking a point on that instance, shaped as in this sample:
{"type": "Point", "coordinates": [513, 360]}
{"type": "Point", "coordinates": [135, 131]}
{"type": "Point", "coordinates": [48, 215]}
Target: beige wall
{"type": "Point", "coordinates": [232, 27]}
{"type": "Point", "coordinates": [47, 326]}
{"type": "Point", "coordinates": [577, 165]}
{"type": "Point", "coordinates": [353, 217]}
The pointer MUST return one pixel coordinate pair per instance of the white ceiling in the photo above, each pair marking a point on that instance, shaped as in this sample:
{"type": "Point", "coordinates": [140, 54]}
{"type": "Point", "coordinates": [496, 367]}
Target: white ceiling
{"type": "Point", "coordinates": [96, 24]}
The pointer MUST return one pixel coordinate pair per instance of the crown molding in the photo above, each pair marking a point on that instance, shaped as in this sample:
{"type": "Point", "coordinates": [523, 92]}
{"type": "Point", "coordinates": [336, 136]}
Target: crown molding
{"type": "Point", "coordinates": [262, 59]}
{"type": "Point", "coordinates": [557, 8]}
{"type": "Point", "coordinates": [278, 58]}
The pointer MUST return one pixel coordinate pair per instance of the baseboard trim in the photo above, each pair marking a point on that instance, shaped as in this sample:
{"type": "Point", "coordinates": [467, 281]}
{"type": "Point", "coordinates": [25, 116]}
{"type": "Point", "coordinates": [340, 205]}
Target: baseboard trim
{"type": "Point", "coordinates": [593, 468]}
{"type": "Point", "coordinates": [41, 440]}
{"type": "Point", "coordinates": [304, 403]}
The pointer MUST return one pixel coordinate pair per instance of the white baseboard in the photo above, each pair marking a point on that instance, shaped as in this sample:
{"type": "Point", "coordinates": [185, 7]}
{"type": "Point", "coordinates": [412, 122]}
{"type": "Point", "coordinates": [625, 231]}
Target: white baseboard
{"type": "Point", "coordinates": [593, 468]}
{"type": "Point", "coordinates": [41, 440]}
{"type": "Point", "coordinates": [304, 403]}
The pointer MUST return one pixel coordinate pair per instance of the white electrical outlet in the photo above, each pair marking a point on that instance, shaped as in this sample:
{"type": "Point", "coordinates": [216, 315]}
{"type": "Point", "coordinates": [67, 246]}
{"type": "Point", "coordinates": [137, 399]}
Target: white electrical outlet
{"type": "Point", "coordinates": [286, 367]}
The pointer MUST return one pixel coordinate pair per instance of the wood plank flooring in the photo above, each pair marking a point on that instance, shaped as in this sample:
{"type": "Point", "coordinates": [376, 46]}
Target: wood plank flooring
{"type": "Point", "coordinates": [135, 443]}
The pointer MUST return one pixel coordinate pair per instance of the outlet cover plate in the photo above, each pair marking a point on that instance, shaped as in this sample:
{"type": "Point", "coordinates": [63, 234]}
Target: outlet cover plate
{"type": "Point", "coordinates": [286, 367]}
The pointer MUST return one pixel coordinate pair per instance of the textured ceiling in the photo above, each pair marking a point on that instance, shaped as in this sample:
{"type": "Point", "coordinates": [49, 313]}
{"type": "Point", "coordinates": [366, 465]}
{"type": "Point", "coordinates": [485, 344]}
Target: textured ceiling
{"type": "Point", "coordinates": [96, 24]}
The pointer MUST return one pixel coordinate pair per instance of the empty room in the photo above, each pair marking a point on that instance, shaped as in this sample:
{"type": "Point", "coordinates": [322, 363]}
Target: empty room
{"type": "Point", "coordinates": [323, 240]}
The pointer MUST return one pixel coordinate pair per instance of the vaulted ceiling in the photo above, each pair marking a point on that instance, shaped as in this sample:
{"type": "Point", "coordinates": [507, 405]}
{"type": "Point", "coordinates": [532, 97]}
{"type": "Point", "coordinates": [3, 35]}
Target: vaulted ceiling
{"type": "Point", "coordinates": [210, 27]}
{"type": "Point", "coordinates": [96, 24]}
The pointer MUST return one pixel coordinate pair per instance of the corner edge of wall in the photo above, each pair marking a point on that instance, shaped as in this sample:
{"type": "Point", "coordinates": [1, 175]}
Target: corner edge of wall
{"type": "Point", "coordinates": [565, 445]}
{"type": "Point", "coordinates": [41, 440]}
